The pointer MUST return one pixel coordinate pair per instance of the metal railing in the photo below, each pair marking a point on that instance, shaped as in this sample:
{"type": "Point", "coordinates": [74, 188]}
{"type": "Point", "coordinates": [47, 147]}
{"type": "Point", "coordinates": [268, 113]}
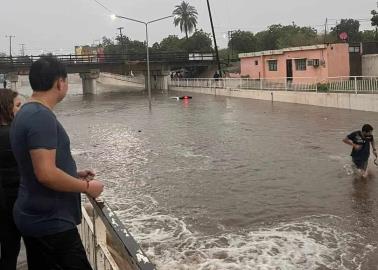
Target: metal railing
{"type": "Point", "coordinates": [108, 244]}
{"type": "Point", "coordinates": [158, 57]}
{"type": "Point", "coordinates": [352, 84]}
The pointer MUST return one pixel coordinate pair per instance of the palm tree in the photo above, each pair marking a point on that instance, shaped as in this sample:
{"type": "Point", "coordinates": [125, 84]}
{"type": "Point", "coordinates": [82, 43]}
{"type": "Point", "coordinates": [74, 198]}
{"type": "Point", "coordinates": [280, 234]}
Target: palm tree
{"type": "Point", "coordinates": [186, 17]}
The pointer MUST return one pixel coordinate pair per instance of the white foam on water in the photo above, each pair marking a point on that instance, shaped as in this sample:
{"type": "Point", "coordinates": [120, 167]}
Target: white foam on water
{"type": "Point", "coordinates": [315, 242]}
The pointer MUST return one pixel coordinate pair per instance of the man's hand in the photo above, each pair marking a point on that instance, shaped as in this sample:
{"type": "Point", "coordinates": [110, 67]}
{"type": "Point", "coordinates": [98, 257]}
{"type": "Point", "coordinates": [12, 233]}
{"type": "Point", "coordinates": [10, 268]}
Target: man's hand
{"type": "Point", "coordinates": [375, 153]}
{"type": "Point", "coordinates": [95, 188]}
{"type": "Point", "coordinates": [86, 174]}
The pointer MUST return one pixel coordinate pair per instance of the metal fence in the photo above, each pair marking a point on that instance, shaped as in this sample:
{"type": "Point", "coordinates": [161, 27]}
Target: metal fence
{"type": "Point", "coordinates": [108, 244]}
{"type": "Point", "coordinates": [353, 84]}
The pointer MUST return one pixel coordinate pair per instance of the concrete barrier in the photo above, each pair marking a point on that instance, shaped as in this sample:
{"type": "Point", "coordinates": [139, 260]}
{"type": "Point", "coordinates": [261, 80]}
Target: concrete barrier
{"type": "Point", "coordinates": [362, 102]}
{"type": "Point", "coordinates": [120, 80]}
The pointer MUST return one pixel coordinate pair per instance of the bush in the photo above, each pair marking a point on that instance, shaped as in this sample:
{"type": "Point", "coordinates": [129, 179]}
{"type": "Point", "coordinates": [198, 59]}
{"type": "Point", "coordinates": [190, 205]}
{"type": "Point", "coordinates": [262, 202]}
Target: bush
{"type": "Point", "coordinates": [323, 87]}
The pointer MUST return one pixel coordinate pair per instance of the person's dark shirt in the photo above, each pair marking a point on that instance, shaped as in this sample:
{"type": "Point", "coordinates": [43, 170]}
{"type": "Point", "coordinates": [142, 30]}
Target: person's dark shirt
{"type": "Point", "coordinates": [357, 138]}
{"type": "Point", "coordinates": [9, 176]}
{"type": "Point", "coordinates": [39, 210]}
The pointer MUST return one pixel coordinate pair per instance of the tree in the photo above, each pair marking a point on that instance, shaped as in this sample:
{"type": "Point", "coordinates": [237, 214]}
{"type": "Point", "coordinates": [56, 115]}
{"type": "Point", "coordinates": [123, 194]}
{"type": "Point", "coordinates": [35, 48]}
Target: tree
{"type": "Point", "coordinates": [279, 36]}
{"type": "Point", "coordinates": [374, 19]}
{"type": "Point", "coordinates": [186, 17]}
{"type": "Point", "coordinates": [242, 42]}
{"type": "Point", "coordinates": [172, 43]}
{"type": "Point", "coordinates": [368, 35]}
{"type": "Point", "coordinates": [199, 42]}
{"type": "Point", "coordinates": [349, 26]}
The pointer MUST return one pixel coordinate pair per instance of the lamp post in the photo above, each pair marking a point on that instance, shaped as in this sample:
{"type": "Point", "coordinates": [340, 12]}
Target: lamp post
{"type": "Point", "coordinates": [114, 16]}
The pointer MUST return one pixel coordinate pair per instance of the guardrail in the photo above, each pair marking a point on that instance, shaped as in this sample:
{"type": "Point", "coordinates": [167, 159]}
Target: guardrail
{"type": "Point", "coordinates": [109, 245]}
{"type": "Point", "coordinates": [352, 84]}
{"type": "Point", "coordinates": [158, 57]}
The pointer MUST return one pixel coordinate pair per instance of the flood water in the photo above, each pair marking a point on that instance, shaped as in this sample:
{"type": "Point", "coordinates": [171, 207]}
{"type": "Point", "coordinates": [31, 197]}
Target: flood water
{"type": "Point", "coordinates": [225, 183]}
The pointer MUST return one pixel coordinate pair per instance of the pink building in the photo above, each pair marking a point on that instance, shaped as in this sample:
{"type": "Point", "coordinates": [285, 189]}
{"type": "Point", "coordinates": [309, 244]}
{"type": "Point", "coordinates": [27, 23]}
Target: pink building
{"type": "Point", "coordinates": [318, 62]}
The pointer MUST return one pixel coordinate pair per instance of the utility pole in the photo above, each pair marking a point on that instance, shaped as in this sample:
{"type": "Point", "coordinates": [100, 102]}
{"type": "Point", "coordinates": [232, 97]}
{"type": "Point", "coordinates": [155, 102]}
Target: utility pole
{"type": "Point", "coordinates": [215, 40]}
{"type": "Point", "coordinates": [10, 44]}
{"type": "Point", "coordinates": [22, 49]}
{"type": "Point", "coordinates": [230, 44]}
{"type": "Point", "coordinates": [121, 39]}
{"type": "Point", "coordinates": [325, 31]}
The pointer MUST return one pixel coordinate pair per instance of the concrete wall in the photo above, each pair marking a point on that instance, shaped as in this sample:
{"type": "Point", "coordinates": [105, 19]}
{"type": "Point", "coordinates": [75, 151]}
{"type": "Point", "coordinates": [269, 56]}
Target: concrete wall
{"type": "Point", "coordinates": [363, 102]}
{"type": "Point", "coordinates": [338, 60]}
{"type": "Point", "coordinates": [120, 80]}
{"type": "Point", "coordinates": [370, 65]}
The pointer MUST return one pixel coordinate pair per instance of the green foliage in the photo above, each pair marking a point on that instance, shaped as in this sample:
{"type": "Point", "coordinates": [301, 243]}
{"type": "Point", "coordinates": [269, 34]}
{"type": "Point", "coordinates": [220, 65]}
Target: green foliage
{"type": "Point", "coordinates": [186, 17]}
{"type": "Point", "coordinates": [278, 36]}
{"type": "Point", "coordinates": [323, 87]}
{"type": "Point", "coordinates": [351, 27]}
{"type": "Point", "coordinates": [172, 43]}
{"type": "Point", "coordinates": [368, 35]}
{"type": "Point", "coordinates": [199, 42]}
{"type": "Point", "coordinates": [374, 18]}
{"type": "Point", "coordinates": [242, 41]}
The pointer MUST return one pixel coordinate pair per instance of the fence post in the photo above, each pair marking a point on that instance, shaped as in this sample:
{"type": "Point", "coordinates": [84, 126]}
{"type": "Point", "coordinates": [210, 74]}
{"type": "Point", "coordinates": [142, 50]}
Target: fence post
{"type": "Point", "coordinates": [316, 86]}
{"type": "Point", "coordinates": [261, 83]}
{"type": "Point", "coordinates": [355, 84]}
{"type": "Point", "coordinates": [285, 84]}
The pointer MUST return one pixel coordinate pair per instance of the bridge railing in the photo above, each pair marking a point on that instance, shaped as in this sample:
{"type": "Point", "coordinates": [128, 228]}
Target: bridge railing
{"type": "Point", "coordinates": [108, 244]}
{"type": "Point", "coordinates": [158, 57]}
{"type": "Point", "coordinates": [349, 84]}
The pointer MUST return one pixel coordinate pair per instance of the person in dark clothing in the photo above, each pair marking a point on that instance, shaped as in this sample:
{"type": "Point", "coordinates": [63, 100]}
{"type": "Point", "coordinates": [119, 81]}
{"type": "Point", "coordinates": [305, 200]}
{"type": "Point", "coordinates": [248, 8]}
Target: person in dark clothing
{"type": "Point", "coordinates": [48, 206]}
{"type": "Point", "coordinates": [10, 237]}
{"type": "Point", "coordinates": [5, 83]}
{"type": "Point", "coordinates": [360, 141]}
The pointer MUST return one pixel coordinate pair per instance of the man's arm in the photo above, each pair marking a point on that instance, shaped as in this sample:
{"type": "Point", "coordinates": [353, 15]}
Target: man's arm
{"type": "Point", "coordinates": [52, 177]}
{"type": "Point", "coordinates": [373, 146]}
{"type": "Point", "coordinates": [350, 142]}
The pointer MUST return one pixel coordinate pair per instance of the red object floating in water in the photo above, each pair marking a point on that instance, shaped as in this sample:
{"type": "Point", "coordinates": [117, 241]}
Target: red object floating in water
{"type": "Point", "coordinates": [186, 97]}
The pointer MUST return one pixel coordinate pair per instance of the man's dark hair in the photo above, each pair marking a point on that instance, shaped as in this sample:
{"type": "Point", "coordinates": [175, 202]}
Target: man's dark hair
{"type": "Point", "coordinates": [44, 72]}
{"type": "Point", "coordinates": [367, 128]}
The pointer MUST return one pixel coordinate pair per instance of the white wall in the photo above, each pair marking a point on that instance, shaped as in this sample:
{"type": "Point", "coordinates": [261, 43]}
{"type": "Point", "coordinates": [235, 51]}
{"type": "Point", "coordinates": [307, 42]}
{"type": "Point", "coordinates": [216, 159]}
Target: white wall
{"type": "Point", "coordinates": [363, 102]}
{"type": "Point", "coordinates": [370, 65]}
{"type": "Point", "coordinates": [120, 80]}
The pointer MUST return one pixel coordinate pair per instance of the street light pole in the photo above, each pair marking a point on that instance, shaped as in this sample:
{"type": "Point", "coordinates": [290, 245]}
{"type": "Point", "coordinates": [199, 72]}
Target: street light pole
{"type": "Point", "coordinates": [148, 69]}
{"type": "Point", "coordinates": [147, 49]}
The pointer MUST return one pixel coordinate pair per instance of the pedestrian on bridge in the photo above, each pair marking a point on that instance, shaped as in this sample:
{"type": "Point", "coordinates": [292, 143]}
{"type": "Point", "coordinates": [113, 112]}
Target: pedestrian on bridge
{"type": "Point", "coordinates": [10, 237]}
{"type": "Point", "coordinates": [48, 207]}
{"type": "Point", "coordinates": [5, 83]}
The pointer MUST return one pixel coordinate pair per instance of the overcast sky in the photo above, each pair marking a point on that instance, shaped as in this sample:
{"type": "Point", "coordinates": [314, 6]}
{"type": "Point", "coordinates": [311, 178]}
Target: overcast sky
{"type": "Point", "coordinates": [57, 26]}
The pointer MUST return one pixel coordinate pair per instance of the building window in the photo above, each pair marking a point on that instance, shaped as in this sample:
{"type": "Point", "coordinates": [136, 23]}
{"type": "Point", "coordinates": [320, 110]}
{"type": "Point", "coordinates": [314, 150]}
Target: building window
{"type": "Point", "coordinates": [272, 65]}
{"type": "Point", "coordinates": [300, 64]}
{"type": "Point", "coordinates": [354, 49]}
{"type": "Point", "coordinates": [256, 63]}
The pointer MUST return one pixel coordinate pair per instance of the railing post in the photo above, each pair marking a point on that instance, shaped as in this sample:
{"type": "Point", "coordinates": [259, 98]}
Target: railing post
{"type": "Point", "coordinates": [316, 86]}
{"type": "Point", "coordinates": [261, 83]}
{"type": "Point", "coordinates": [355, 84]}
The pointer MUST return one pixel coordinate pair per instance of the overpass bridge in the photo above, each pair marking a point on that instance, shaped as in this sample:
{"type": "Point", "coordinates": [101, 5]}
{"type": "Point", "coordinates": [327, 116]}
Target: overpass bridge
{"type": "Point", "coordinates": [89, 66]}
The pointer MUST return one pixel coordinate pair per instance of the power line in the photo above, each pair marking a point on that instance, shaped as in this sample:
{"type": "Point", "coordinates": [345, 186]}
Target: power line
{"type": "Point", "coordinates": [102, 5]}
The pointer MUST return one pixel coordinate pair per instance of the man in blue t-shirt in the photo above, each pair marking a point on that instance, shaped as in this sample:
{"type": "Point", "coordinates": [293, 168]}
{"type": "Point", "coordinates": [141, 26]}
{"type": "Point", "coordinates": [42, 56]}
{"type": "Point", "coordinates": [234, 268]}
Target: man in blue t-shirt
{"type": "Point", "coordinates": [48, 206]}
{"type": "Point", "coordinates": [360, 141]}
